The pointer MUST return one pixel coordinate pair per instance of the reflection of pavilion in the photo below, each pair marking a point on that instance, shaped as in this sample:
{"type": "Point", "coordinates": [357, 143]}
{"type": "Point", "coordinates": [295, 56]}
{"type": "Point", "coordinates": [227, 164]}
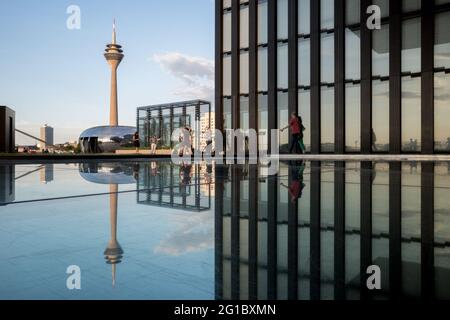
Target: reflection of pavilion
{"type": "Point", "coordinates": [111, 174]}
{"type": "Point", "coordinates": [319, 247]}
{"type": "Point", "coordinates": [178, 187]}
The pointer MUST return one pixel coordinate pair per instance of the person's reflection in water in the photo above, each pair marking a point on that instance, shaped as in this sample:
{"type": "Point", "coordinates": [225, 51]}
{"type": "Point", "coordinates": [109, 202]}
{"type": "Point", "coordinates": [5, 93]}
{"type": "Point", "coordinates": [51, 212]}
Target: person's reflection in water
{"type": "Point", "coordinates": [136, 171]}
{"type": "Point", "coordinates": [296, 187]}
{"type": "Point", "coordinates": [413, 167]}
{"type": "Point", "coordinates": [208, 174]}
{"type": "Point", "coordinates": [185, 173]}
{"type": "Point", "coordinates": [154, 168]}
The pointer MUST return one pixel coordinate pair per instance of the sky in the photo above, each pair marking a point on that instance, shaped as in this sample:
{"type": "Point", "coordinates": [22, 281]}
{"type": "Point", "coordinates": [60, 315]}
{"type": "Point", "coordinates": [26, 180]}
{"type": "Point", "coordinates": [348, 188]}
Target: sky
{"type": "Point", "coordinates": [54, 75]}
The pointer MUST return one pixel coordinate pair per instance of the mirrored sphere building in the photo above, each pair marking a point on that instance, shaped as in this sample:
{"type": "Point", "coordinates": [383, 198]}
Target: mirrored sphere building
{"type": "Point", "coordinates": [105, 139]}
{"type": "Point", "coordinates": [358, 88]}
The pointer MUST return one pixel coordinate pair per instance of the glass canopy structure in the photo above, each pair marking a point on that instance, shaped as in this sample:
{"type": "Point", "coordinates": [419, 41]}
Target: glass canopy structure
{"type": "Point", "coordinates": [163, 119]}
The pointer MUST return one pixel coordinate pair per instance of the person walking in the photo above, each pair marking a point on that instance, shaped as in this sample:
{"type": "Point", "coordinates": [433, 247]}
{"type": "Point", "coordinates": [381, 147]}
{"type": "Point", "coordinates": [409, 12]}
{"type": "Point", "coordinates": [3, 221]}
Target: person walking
{"type": "Point", "coordinates": [300, 140]}
{"type": "Point", "coordinates": [295, 127]}
{"type": "Point", "coordinates": [153, 144]}
{"type": "Point", "coordinates": [136, 141]}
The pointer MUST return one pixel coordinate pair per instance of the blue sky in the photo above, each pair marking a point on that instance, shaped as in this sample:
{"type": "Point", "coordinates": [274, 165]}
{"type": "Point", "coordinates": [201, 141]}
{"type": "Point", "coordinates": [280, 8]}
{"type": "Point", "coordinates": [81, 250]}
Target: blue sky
{"type": "Point", "coordinates": [56, 76]}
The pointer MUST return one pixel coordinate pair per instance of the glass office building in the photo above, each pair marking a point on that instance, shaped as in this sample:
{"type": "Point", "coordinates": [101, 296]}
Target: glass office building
{"type": "Point", "coordinates": [162, 120]}
{"type": "Point", "coordinates": [358, 89]}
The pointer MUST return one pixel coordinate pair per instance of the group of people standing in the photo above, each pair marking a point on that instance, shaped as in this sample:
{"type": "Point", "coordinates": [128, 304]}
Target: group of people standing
{"type": "Point", "coordinates": [153, 142]}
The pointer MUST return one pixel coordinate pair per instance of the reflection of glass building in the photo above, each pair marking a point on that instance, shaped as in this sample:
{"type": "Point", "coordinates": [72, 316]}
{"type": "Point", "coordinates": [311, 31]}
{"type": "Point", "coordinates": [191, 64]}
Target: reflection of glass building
{"type": "Point", "coordinates": [326, 223]}
{"type": "Point", "coordinates": [7, 184]}
{"type": "Point", "coordinates": [318, 58]}
{"type": "Point", "coordinates": [174, 186]}
{"type": "Point", "coordinates": [162, 120]}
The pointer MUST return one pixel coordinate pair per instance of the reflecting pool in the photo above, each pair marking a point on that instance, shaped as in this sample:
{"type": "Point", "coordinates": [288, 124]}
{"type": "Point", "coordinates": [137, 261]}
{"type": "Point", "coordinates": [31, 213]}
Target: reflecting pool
{"type": "Point", "coordinates": [158, 230]}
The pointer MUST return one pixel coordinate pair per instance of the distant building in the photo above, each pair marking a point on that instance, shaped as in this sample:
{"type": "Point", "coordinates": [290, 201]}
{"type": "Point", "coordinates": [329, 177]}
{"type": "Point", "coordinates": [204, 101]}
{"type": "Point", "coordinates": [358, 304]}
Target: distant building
{"type": "Point", "coordinates": [7, 129]}
{"type": "Point", "coordinates": [47, 136]}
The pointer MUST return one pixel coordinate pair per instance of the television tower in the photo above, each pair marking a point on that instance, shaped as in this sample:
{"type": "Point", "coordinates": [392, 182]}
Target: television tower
{"type": "Point", "coordinates": [114, 55]}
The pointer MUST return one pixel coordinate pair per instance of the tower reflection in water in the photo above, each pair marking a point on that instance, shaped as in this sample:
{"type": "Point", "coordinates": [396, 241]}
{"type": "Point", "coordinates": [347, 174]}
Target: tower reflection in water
{"type": "Point", "coordinates": [159, 184]}
{"type": "Point", "coordinates": [111, 174]}
{"type": "Point", "coordinates": [311, 231]}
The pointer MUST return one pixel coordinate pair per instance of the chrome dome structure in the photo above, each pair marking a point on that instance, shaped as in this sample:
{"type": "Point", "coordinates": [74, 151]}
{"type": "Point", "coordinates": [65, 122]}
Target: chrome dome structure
{"type": "Point", "coordinates": [106, 139]}
{"type": "Point", "coordinates": [109, 173]}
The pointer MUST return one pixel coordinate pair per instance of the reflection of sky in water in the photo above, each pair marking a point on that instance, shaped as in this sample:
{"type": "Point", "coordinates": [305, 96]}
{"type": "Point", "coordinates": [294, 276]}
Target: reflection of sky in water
{"type": "Point", "coordinates": [169, 253]}
{"type": "Point", "coordinates": [41, 240]}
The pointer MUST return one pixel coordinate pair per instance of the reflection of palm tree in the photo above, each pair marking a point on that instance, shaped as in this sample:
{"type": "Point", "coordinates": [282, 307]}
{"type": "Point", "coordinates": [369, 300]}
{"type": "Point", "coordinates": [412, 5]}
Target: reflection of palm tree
{"type": "Point", "coordinates": [113, 253]}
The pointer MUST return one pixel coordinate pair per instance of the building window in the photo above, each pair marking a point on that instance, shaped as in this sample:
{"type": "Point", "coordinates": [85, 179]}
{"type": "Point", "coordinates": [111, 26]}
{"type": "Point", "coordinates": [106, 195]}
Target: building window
{"type": "Point", "coordinates": [411, 45]}
{"type": "Point", "coordinates": [226, 89]}
{"type": "Point", "coordinates": [411, 192]}
{"type": "Point", "coordinates": [244, 119]}
{"type": "Point", "coordinates": [327, 119]}
{"type": "Point", "coordinates": [262, 69]}
{"type": "Point", "coordinates": [380, 116]}
{"type": "Point", "coordinates": [282, 66]}
{"type": "Point", "coordinates": [411, 5]}
{"type": "Point", "coordinates": [166, 129]}
{"type": "Point", "coordinates": [441, 205]}
{"type": "Point", "coordinates": [327, 58]}
{"type": "Point", "coordinates": [384, 6]}
{"type": "Point", "coordinates": [442, 82]}
{"type": "Point", "coordinates": [282, 19]}
{"type": "Point", "coordinates": [226, 4]}
{"type": "Point", "coordinates": [441, 112]}
{"type": "Point", "coordinates": [244, 72]}
{"type": "Point", "coordinates": [244, 27]}
{"type": "Point", "coordinates": [227, 120]}
{"type": "Point", "coordinates": [380, 52]}
{"type": "Point", "coordinates": [304, 17]}
{"type": "Point", "coordinates": [352, 12]}
{"type": "Point", "coordinates": [352, 117]}
{"type": "Point", "coordinates": [442, 41]}
{"type": "Point", "coordinates": [352, 54]}
{"type": "Point", "coordinates": [262, 21]}
{"type": "Point", "coordinates": [304, 62]}
{"type": "Point", "coordinates": [411, 114]}
{"type": "Point", "coordinates": [263, 121]}
{"type": "Point", "coordinates": [304, 111]}
{"type": "Point", "coordinates": [226, 32]}
{"type": "Point", "coordinates": [283, 121]}
{"type": "Point", "coordinates": [326, 14]}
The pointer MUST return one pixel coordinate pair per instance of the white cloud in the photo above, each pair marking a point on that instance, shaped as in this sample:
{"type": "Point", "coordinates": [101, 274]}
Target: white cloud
{"type": "Point", "coordinates": [196, 74]}
{"type": "Point", "coordinates": [194, 233]}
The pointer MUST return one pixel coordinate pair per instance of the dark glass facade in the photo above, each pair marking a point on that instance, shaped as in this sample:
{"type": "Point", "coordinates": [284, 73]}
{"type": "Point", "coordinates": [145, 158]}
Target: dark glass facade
{"type": "Point", "coordinates": [358, 90]}
{"type": "Point", "coordinates": [314, 237]}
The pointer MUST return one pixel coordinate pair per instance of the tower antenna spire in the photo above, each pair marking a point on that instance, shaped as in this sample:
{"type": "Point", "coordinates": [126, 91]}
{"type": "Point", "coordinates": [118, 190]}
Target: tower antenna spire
{"type": "Point", "coordinates": [114, 32]}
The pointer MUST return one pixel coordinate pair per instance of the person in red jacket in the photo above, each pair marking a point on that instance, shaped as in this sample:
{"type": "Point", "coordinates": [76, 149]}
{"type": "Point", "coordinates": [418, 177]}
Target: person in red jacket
{"type": "Point", "coordinates": [296, 132]}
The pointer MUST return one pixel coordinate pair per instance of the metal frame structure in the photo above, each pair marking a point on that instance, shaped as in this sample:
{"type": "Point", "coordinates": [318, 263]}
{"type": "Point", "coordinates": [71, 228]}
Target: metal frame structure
{"type": "Point", "coordinates": [181, 109]}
